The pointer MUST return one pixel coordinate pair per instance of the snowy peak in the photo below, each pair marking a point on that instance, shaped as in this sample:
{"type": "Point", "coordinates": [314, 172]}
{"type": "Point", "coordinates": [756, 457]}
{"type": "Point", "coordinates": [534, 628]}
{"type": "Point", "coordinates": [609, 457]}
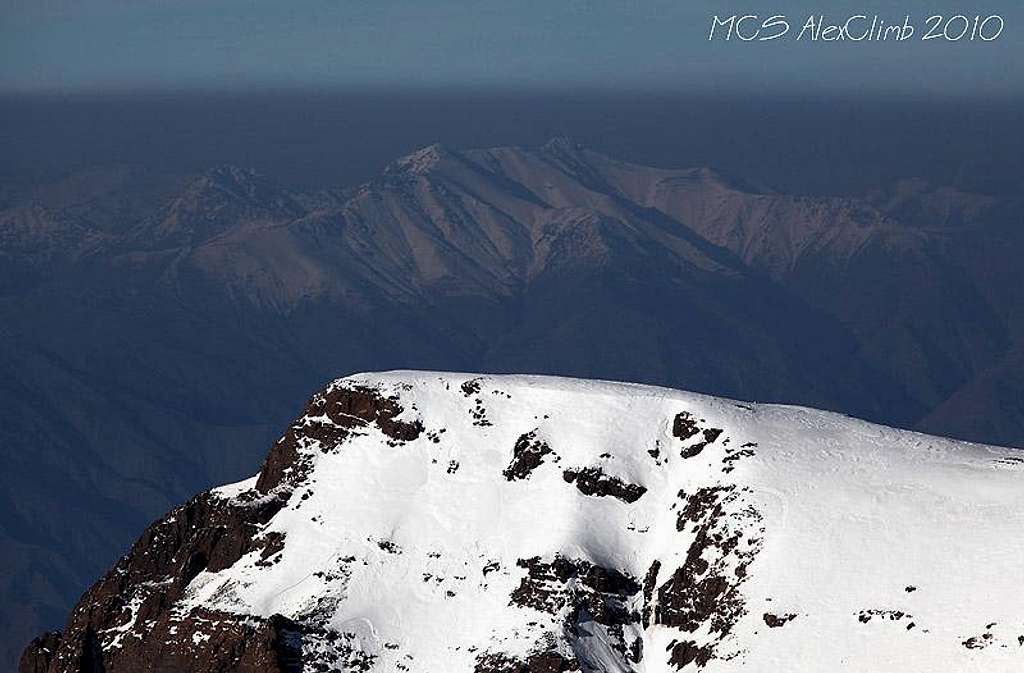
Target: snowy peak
{"type": "Point", "coordinates": [421, 521]}
{"type": "Point", "coordinates": [421, 161]}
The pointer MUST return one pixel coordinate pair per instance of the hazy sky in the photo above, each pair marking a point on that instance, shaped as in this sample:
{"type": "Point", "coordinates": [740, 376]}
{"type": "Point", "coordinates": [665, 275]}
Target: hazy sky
{"type": "Point", "coordinates": [97, 44]}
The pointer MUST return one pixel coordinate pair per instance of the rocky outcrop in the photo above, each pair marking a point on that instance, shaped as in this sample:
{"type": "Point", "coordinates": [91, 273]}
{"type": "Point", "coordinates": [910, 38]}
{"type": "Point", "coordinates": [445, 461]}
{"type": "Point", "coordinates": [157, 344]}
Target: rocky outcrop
{"type": "Point", "coordinates": [527, 455]}
{"type": "Point", "coordinates": [327, 420]}
{"type": "Point", "coordinates": [593, 481]}
{"type": "Point", "coordinates": [129, 621]}
{"type": "Point", "coordinates": [130, 606]}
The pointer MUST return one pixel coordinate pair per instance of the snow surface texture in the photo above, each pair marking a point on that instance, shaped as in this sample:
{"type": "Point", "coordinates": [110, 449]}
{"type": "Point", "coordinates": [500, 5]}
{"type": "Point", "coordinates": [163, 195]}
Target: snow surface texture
{"type": "Point", "coordinates": [621, 527]}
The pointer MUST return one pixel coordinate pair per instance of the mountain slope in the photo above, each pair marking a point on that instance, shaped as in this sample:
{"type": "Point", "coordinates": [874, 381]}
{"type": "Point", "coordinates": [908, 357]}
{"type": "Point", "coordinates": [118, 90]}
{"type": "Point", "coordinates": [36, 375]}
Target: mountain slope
{"type": "Point", "coordinates": [154, 333]}
{"type": "Point", "coordinates": [463, 246]}
{"type": "Point", "coordinates": [421, 522]}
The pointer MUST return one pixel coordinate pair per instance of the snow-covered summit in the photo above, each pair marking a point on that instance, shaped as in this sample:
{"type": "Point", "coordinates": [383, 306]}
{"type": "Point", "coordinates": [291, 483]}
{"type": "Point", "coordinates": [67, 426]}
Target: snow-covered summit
{"type": "Point", "coordinates": [416, 521]}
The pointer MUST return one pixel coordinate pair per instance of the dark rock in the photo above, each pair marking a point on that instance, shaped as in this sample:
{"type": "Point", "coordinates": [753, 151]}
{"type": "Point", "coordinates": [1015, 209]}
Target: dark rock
{"type": "Point", "coordinates": [704, 591]}
{"type": "Point", "coordinates": [684, 426]}
{"type": "Point", "coordinates": [479, 414]}
{"type": "Point", "coordinates": [687, 652]}
{"type": "Point", "coordinates": [347, 408]}
{"type": "Point", "coordinates": [527, 455]}
{"type": "Point", "coordinates": [593, 481]}
{"type": "Point", "coordinates": [546, 662]}
{"type": "Point", "coordinates": [731, 458]}
{"type": "Point", "coordinates": [702, 502]}
{"type": "Point", "coordinates": [865, 616]}
{"type": "Point", "coordinates": [775, 621]}
{"type": "Point", "coordinates": [581, 592]}
{"type": "Point", "coordinates": [709, 437]}
{"type": "Point", "coordinates": [650, 581]}
{"type": "Point", "coordinates": [544, 588]}
{"type": "Point", "coordinates": [39, 653]}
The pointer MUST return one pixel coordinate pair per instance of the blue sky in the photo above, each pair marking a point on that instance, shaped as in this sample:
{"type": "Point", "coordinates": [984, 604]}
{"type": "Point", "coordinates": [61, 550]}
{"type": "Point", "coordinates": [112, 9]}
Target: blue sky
{"type": "Point", "coordinates": [649, 44]}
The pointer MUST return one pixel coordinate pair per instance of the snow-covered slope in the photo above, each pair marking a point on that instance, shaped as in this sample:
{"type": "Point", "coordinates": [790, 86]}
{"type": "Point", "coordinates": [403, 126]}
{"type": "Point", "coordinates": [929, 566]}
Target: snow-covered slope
{"type": "Point", "coordinates": [434, 522]}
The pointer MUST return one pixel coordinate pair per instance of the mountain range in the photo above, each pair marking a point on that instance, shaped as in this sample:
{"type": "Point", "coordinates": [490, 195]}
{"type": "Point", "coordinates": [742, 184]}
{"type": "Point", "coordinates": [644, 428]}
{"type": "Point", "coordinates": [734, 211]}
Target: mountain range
{"type": "Point", "coordinates": [419, 521]}
{"type": "Point", "coordinates": [157, 333]}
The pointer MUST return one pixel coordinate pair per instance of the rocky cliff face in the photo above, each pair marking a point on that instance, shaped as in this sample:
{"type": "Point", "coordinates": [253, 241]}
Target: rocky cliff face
{"type": "Point", "coordinates": [503, 524]}
{"type": "Point", "coordinates": [129, 620]}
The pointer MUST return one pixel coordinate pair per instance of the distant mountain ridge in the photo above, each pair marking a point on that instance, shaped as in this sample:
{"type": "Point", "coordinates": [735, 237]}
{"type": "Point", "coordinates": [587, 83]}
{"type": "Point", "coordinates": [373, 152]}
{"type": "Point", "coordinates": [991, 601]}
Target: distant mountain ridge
{"type": "Point", "coordinates": [154, 334]}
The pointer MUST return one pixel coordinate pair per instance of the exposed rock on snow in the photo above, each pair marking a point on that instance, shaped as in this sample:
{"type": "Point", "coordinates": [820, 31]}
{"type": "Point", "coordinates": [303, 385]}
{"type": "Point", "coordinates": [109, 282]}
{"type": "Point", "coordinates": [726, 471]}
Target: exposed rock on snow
{"type": "Point", "coordinates": [505, 524]}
